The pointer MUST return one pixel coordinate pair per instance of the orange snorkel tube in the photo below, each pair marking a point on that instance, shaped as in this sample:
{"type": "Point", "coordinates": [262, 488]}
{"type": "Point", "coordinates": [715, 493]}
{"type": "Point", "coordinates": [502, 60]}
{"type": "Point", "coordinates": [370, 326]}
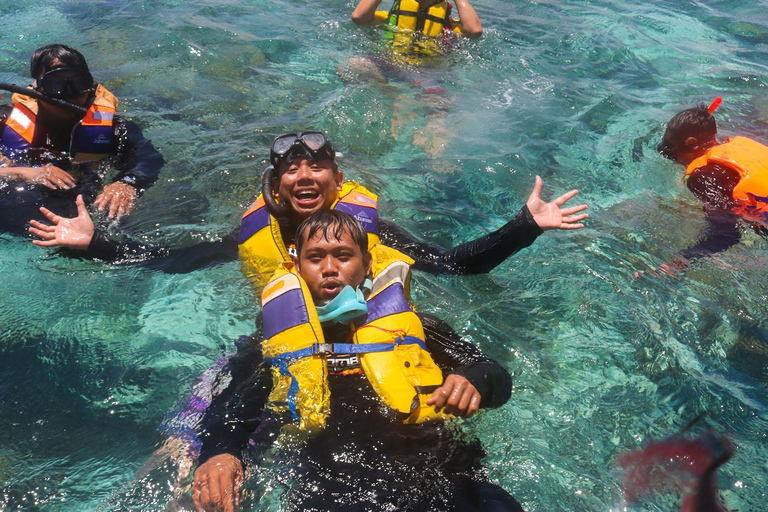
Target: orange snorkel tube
{"type": "Point", "coordinates": [715, 103]}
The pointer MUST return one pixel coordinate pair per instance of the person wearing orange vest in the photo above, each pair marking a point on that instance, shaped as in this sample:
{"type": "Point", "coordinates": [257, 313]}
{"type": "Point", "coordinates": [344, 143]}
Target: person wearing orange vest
{"type": "Point", "coordinates": [730, 177]}
{"type": "Point", "coordinates": [52, 154]}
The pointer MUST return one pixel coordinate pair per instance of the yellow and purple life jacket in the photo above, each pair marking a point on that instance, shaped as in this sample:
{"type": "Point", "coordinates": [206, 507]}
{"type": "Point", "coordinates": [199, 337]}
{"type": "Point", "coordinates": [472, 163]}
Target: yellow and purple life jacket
{"type": "Point", "coordinates": [389, 342]}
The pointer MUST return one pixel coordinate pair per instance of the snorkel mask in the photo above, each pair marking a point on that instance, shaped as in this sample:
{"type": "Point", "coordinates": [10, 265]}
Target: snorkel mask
{"type": "Point", "coordinates": [66, 82]}
{"type": "Point", "coordinates": [289, 146]}
{"type": "Point", "coordinates": [285, 148]}
{"type": "Point", "coordinates": [346, 306]}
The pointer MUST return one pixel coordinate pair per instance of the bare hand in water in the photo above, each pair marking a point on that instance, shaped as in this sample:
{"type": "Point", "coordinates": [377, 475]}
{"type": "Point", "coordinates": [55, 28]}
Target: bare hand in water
{"type": "Point", "coordinates": [552, 215]}
{"type": "Point", "coordinates": [119, 197]}
{"type": "Point", "coordinates": [75, 233]}
{"type": "Point", "coordinates": [217, 483]}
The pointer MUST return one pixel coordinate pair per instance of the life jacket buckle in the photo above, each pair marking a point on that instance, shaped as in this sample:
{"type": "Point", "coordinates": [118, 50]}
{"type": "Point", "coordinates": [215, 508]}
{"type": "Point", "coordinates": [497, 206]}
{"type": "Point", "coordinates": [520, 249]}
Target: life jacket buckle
{"type": "Point", "coordinates": [323, 349]}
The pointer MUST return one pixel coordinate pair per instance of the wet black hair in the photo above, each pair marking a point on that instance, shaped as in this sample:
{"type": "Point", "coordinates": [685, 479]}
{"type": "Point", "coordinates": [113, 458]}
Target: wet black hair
{"type": "Point", "coordinates": [43, 57]}
{"type": "Point", "coordinates": [333, 224]}
{"type": "Point", "coordinates": [694, 122]}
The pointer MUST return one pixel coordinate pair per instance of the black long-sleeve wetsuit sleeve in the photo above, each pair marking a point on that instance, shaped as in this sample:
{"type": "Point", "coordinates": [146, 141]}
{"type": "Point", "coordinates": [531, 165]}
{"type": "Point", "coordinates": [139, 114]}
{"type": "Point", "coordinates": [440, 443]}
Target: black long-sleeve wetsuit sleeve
{"type": "Point", "coordinates": [454, 355]}
{"type": "Point", "coordinates": [476, 257]}
{"type": "Point", "coordinates": [238, 410]}
{"type": "Point", "coordinates": [138, 163]}
{"type": "Point", "coordinates": [172, 261]}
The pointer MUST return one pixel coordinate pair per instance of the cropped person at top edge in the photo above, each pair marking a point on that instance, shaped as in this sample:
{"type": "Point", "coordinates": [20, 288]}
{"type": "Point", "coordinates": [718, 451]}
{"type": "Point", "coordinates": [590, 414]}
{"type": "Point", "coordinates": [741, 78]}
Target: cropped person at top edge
{"type": "Point", "coordinates": [429, 17]}
{"type": "Point", "coordinates": [50, 155]}
{"type": "Point", "coordinates": [730, 177]}
{"type": "Point", "coordinates": [305, 178]}
{"type": "Point", "coordinates": [367, 383]}
{"type": "Point", "coordinates": [416, 35]}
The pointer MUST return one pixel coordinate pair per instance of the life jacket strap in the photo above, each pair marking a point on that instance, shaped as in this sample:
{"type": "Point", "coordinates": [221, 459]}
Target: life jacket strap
{"type": "Point", "coordinates": [282, 361]}
{"type": "Point", "coordinates": [327, 349]}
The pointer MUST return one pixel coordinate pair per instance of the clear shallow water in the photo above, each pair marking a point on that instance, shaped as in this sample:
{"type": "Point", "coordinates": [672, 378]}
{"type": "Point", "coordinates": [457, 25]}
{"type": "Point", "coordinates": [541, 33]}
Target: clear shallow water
{"type": "Point", "coordinates": [93, 357]}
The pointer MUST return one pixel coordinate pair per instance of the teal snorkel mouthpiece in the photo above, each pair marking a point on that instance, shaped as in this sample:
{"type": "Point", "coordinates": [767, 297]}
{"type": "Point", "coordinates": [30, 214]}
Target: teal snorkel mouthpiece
{"type": "Point", "coordinates": [345, 307]}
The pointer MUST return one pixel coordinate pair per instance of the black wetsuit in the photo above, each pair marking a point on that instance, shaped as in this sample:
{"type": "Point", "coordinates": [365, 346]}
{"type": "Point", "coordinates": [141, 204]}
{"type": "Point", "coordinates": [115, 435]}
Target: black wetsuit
{"type": "Point", "coordinates": [475, 257]}
{"type": "Point", "coordinates": [714, 185]}
{"type": "Point", "coordinates": [364, 459]}
{"type": "Point", "coordinates": [137, 162]}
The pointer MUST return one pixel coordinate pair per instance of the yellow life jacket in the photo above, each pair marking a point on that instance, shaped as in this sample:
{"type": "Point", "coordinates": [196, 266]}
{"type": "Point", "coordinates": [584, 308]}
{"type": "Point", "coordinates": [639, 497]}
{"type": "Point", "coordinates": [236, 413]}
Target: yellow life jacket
{"type": "Point", "coordinates": [415, 27]}
{"type": "Point", "coordinates": [748, 158]}
{"type": "Point", "coordinates": [389, 343]}
{"type": "Point", "coordinates": [262, 249]}
{"type": "Point", "coordinates": [430, 17]}
{"type": "Point", "coordinates": [92, 139]}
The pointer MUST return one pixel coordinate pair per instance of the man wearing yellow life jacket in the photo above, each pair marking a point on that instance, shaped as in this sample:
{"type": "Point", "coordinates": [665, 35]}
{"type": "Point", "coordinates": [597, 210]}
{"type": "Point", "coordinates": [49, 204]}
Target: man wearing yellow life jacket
{"type": "Point", "coordinates": [52, 154]}
{"type": "Point", "coordinates": [731, 178]}
{"type": "Point", "coordinates": [346, 362]}
{"type": "Point", "coordinates": [431, 18]}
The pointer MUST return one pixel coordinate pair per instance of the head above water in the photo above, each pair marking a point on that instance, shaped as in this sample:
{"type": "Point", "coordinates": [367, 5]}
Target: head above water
{"type": "Point", "coordinates": [306, 178]}
{"type": "Point", "coordinates": [689, 134]}
{"type": "Point", "coordinates": [331, 253]}
{"type": "Point", "coordinates": [61, 72]}
{"type": "Point", "coordinates": [312, 145]}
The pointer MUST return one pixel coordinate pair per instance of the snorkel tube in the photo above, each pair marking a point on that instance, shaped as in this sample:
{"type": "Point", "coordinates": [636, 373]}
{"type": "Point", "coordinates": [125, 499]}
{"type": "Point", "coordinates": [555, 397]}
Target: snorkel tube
{"type": "Point", "coordinates": [276, 209]}
{"type": "Point", "coordinates": [77, 109]}
{"type": "Point", "coordinates": [715, 103]}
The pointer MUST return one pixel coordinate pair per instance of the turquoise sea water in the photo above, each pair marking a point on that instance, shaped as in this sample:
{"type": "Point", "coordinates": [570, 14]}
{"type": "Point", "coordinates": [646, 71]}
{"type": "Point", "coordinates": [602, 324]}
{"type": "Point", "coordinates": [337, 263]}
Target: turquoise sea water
{"type": "Point", "coordinates": [93, 357]}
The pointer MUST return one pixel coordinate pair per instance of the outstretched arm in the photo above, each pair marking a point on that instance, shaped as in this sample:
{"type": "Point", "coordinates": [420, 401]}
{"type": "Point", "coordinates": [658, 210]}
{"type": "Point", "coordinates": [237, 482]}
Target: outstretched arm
{"type": "Point", "coordinates": [553, 215]}
{"type": "Point", "coordinates": [721, 233]}
{"type": "Point", "coordinates": [365, 12]}
{"type": "Point", "coordinates": [226, 427]}
{"type": "Point", "coordinates": [485, 253]}
{"type": "Point", "coordinates": [79, 233]}
{"type": "Point", "coordinates": [470, 23]}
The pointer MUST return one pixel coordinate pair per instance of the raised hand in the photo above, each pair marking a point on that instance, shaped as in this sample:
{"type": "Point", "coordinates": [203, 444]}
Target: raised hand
{"type": "Point", "coordinates": [75, 233]}
{"type": "Point", "coordinates": [552, 215]}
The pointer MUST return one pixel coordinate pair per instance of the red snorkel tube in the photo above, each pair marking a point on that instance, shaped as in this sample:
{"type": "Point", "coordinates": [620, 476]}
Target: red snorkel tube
{"type": "Point", "coordinates": [715, 103]}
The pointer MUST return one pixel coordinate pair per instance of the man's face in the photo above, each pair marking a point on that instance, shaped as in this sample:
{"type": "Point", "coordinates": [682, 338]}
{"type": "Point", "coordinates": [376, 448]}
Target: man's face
{"type": "Point", "coordinates": [59, 113]}
{"type": "Point", "coordinates": [308, 185]}
{"type": "Point", "coordinates": [327, 266]}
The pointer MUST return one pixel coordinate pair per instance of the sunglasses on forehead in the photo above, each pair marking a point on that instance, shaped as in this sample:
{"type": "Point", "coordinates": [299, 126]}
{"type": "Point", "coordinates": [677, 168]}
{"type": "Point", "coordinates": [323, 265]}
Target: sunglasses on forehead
{"type": "Point", "coordinates": [65, 82]}
{"type": "Point", "coordinates": [314, 144]}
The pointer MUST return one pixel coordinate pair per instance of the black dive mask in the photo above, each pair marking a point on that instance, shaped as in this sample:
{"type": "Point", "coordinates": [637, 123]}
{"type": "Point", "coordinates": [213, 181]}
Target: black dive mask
{"type": "Point", "coordinates": [313, 145]}
{"type": "Point", "coordinates": [65, 82]}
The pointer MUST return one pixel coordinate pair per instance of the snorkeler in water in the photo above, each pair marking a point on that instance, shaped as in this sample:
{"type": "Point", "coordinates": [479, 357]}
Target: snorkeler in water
{"type": "Point", "coordinates": [365, 383]}
{"type": "Point", "coordinates": [730, 177]}
{"type": "Point", "coordinates": [417, 35]}
{"type": "Point", "coordinates": [55, 140]}
{"type": "Point", "coordinates": [304, 178]}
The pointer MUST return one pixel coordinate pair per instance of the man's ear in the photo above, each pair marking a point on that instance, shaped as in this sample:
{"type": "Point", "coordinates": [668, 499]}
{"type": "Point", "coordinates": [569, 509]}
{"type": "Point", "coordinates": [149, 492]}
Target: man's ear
{"type": "Point", "coordinates": [339, 176]}
{"type": "Point", "coordinates": [275, 187]}
{"type": "Point", "coordinates": [368, 263]}
{"type": "Point", "coordinates": [691, 143]}
{"type": "Point", "coordinates": [295, 261]}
